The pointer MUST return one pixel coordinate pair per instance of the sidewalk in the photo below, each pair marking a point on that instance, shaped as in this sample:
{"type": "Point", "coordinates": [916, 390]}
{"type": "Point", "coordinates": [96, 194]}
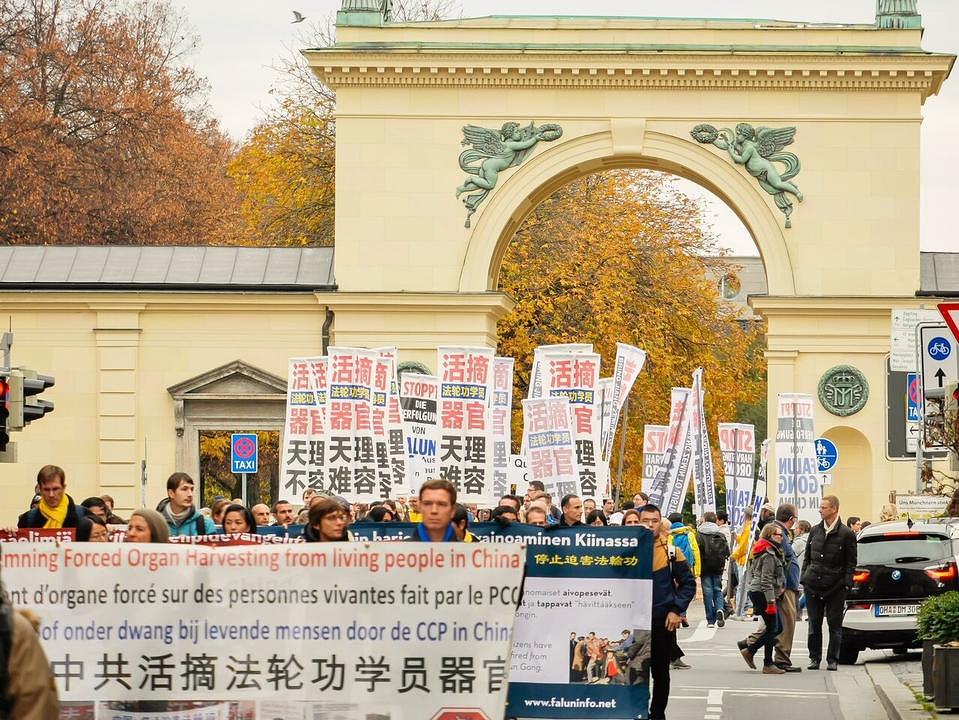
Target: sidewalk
{"type": "Point", "coordinates": [896, 683]}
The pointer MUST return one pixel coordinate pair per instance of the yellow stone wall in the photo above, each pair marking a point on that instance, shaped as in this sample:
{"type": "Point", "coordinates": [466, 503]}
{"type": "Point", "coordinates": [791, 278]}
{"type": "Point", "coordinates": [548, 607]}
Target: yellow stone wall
{"type": "Point", "coordinates": [113, 356]}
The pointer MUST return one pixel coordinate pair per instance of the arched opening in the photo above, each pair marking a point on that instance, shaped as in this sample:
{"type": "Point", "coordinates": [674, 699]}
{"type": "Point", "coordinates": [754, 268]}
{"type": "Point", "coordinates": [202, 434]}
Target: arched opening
{"type": "Point", "coordinates": [630, 147]}
{"type": "Point", "coordinates": [852, 477]}
{"type": "Point", "coordinates": [625, 255]}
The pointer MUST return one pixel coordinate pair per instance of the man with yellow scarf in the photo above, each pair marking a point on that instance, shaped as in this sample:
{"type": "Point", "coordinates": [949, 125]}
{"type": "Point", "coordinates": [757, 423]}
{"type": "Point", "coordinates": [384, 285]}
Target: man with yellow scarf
{"type": "Point", "coordinates": [56, 508]}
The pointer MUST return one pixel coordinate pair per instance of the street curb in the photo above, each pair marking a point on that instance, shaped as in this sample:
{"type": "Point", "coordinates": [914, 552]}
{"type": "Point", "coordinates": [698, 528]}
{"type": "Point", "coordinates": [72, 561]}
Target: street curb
{"type": "Point", "coordinates": [897, 700]}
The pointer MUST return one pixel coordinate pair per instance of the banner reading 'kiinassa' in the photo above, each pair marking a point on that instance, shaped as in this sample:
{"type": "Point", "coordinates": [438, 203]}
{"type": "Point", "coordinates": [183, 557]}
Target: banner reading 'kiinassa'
{"type": "Point", "coordinates": [382, 630]}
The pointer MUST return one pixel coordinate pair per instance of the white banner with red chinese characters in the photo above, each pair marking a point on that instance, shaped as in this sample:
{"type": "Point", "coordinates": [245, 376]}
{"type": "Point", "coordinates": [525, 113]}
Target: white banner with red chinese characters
{"type": "Point", "coordinates": [302, 432]}
{"type": "Point", "coordinates": [798, 470]}
{"type": "Point", "coordinates": [502, 410]}
{"type": "Point", "coordinates": [737, 443]}
{"type": "Point", "coordinates": [406, 630]}
{"type": "Point", "coordinates": [654, 451]}
{"type": "Point", "coordinates": [419, 398]}
{"type": "Point", "coordinates": [674, 470]}
{"type": "Point", "coordinates": [629, 363]}
{"type": "Point", "coordinates": [551, 452]}
{"type": "Point", "coordinates": [351, 445]}
{"type": "Point", "coordinates": [394, 428]}
{"type": "Point", "coordinates": [536, 377]}
{"type": "Point", "coordinates": [317, 464]}
{"type": "Point", "coordinates": [704, 475]}
{"type": "Point", "coordinates": [382, 372]}
{"type": "Point", "coordinates": [576, 377]}
{"type": "Point", "coordinates": [466, 429]}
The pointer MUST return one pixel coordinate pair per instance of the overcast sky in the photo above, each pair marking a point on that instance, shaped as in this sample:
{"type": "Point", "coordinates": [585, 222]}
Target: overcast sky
{"type": "Point", "coordinates": [242, 40]}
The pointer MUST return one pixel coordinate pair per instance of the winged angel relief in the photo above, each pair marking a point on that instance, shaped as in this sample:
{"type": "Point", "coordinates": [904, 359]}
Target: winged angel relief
{"type": "Point", "coordinates": [757, 149]}
{"type": "Point", "coordinates": [494, 151]}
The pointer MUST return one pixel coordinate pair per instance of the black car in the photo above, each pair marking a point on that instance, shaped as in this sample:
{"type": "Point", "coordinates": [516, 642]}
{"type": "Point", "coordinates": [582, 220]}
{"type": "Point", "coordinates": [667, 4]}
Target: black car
{"type": "Point", "coordinates": [901, 563]}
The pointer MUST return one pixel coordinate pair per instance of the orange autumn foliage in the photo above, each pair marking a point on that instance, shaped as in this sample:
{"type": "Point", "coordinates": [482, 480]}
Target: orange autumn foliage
{"type": "Point", "coordinates": [621, 257]}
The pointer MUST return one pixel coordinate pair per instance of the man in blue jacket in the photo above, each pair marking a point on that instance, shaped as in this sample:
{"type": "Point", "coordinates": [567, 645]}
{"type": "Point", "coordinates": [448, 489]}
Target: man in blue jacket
{"type": "Point", "coordinates": [178, 510]}
{"type": "Point", "coordinates": [674, 587]}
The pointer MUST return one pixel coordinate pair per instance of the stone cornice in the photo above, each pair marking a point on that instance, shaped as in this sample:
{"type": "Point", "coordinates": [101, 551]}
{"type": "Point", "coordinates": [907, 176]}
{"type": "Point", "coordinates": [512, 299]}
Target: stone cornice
{"type": "Point", "coordinates": [923, 73]}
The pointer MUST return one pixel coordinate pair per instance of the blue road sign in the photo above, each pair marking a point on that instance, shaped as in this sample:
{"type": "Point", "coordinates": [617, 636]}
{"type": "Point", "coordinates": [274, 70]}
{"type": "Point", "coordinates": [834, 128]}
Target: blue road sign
{"type": "Point", "coordinates": [827, 455]}
{"type": "Point", "coordinates": [243, 453]}
{"type": "Point", "coordinates": [940, 348]}
{"type": "Point", "coordinates": [913, 398]}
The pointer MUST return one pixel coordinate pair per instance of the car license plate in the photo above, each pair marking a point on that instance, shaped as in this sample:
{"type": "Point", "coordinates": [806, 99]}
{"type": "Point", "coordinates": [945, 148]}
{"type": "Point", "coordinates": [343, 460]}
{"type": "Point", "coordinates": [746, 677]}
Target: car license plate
{"type": "Point", "coordinates": [897, 610]}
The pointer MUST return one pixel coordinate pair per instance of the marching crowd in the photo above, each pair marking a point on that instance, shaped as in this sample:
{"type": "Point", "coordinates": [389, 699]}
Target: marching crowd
{"type": "Point", "coordinates": [772, 568]}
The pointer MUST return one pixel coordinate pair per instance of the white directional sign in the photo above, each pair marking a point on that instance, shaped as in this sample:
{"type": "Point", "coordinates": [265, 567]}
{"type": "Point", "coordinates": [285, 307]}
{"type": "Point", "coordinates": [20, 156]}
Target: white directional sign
{"type": "Point", "coordinates": [940, 359]}
{"type": "Point", "coordinates": [902, 356]}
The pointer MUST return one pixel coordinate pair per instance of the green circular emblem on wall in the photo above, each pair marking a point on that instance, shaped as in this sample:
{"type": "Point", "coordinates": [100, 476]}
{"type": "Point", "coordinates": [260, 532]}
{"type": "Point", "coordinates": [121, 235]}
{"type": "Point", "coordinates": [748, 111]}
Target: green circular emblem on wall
{"type": "Point", "coordinates": [843, 390]}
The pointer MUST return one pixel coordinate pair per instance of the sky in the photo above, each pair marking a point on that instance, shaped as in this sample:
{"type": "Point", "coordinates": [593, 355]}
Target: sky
{"type": "Point", "coordinates": [242, 41]}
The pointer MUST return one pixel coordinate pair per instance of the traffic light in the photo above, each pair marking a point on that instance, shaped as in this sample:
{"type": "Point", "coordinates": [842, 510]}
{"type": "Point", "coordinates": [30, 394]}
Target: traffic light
{"type": "Point", "coordinates": [25, 407]}
{"type": "Point", "coordinates": [4, 411]}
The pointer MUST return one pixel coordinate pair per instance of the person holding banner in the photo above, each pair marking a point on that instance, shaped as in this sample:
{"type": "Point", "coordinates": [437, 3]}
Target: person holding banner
{"type": "Point", "coordinates": [674, 587]}
{"type": "Point", "coordinates": [238, 519]}
{"type": "Point", "coordinates": [437, 503]}
{"type": "Point", "coordinates": [767, 583]}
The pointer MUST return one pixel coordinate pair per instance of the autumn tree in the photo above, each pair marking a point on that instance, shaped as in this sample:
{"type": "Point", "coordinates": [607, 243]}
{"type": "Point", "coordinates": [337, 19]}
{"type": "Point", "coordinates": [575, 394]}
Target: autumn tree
{"type": "Point", "coordinates": [622, 257]}
{"type": "Point", "coordinates": [105, 134]}
{"type": "Point", "coordinates": [285, 169]}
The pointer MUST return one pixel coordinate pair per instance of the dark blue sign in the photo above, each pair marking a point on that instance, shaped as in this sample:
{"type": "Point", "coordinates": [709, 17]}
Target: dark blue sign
{"type": "Point", "coordinates": [913, 398]}
{"type": "Point", "coordinates": [827, 454]}
{"type": "Point", "coordinates": [243, 453]}
{"type": "Point", "coordinates": [940, 348]}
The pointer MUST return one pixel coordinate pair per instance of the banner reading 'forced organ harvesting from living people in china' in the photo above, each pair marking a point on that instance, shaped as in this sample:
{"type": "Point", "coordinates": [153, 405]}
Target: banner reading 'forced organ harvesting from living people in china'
{"type": "Point", "coordinates": [367, 630]}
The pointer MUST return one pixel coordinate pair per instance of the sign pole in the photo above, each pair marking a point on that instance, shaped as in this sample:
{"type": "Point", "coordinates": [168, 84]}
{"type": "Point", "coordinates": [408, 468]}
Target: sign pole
{"type": "Point", "coordinates": [622, 453]}
{"type": "Point", "coordinates": [735, 477]}
{"type": "Point", "coordinates": [243, 490]}
{"type": "Point", "coordinates": [795, 459]}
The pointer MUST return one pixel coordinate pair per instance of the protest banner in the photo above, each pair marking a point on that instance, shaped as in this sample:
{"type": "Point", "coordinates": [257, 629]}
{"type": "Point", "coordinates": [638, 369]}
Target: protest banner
{"type": "Point", "coordinates": [580, 583]}
{"type": "Point", "coordinates": [518, 475]}
{"type": "Point", "coordinates": [675, 467]}
{"type": "Point", "coordinates": [551, 455]}
{"type": "Point", "coordinates": [797, 467]}
{"type": "Point", "coordinates": [737, 443]}
{"type": "Point", "coordinates": [536, 387]}
{"type": "Point", "coordinates": [704, 475]}
{"type": "Point", "coordinates": [654, 452]}
{"type": "Point", "coordinates": [350, 447]}
{"type": "Point", "coordinates": [396, 443]}
{"type": "Point", "coordinates": [502, 411]}
{"type": "Point", "coordinates": [575, 376]}
{"type": "Point", "coordinates": [175, 623]}
{"type": "Point", "coordinates": [53, 535]}
{"type": "Point", "coordinates": [317, 459]}
{"type": "Point", "coordinates": [419, 398]}
{"type": "Point", "coordinates": [382, 370]}
{"type": "Point", "coordinates": [605, 391]}
{"type": "Point", "coordinates": [629, 363]}
{"type": "Point", "coordinates": [303, 423]}
{"type": "Point", "coordinates": [465, 428]}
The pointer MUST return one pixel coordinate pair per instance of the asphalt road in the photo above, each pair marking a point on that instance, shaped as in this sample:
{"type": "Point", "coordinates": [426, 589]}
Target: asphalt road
{"type": "Point", "coordinates": [720, 686]}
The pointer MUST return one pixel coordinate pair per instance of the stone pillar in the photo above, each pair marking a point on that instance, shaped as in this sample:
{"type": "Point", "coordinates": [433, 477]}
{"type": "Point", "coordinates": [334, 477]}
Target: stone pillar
{"type": "Point", "coordinates": [117, 334]}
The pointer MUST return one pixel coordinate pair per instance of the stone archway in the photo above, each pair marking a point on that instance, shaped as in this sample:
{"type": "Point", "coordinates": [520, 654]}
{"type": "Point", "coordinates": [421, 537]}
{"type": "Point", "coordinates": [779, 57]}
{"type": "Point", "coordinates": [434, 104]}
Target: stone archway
{"type": "Point", "coordinates": [852, 479]}
{"type": "Point", "coordinates": [623, 145]}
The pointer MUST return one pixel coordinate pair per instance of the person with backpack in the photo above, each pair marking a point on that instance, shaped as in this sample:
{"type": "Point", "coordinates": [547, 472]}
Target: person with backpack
{"type": "Point", "coordinates": [713, 554]}
{"type": "Point", "coordinates": [179, 511]}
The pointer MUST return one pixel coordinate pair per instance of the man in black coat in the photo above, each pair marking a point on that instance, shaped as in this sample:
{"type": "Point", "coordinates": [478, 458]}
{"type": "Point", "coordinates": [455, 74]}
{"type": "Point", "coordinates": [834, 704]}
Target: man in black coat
{"type": "Point", "coordinates": [828, 565]}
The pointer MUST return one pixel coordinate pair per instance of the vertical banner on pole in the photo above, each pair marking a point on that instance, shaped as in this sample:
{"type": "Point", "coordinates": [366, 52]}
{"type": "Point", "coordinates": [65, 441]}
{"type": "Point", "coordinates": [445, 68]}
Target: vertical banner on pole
{"type": "Point", "coordinates": [536, 377]}
{"type": "Point", "coordinates": [737, 443]}
{"type": "Point", "coordinates": [394, 428]}
{"type": "Point", "coordinates": [317, 459]}
{"type": "Point", "coordinates": [551, 451]}
{"type": "Point", "coordinates": [671, 475]}
{"type": "Point", "coordinates": [502, 407]}
{"type": "Point", "coordinates": [576, 377]}
{"type": "Point", "coordinates": [419, 397]}
{"type": "Point", "coordinates": [466, 437]}
{"type": "Point", "coordinates": [382, 370]}
{"type": "Point", "coordinates": [605, 411]}
{"type": "Point", "coordinates": [654, 452]}
{"type": "Point", "coordinates": [703, 472]}
{"type": "Point", "coordinates": [798, 472]}
{"type": "Point", "coordinates": [302, 417]}
{"type": "Point", "coordinates": [629, 363]}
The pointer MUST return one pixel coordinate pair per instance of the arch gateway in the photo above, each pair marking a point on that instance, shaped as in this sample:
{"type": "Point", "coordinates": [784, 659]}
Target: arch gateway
{"type": "Point", "coordinates": [714, 101]}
